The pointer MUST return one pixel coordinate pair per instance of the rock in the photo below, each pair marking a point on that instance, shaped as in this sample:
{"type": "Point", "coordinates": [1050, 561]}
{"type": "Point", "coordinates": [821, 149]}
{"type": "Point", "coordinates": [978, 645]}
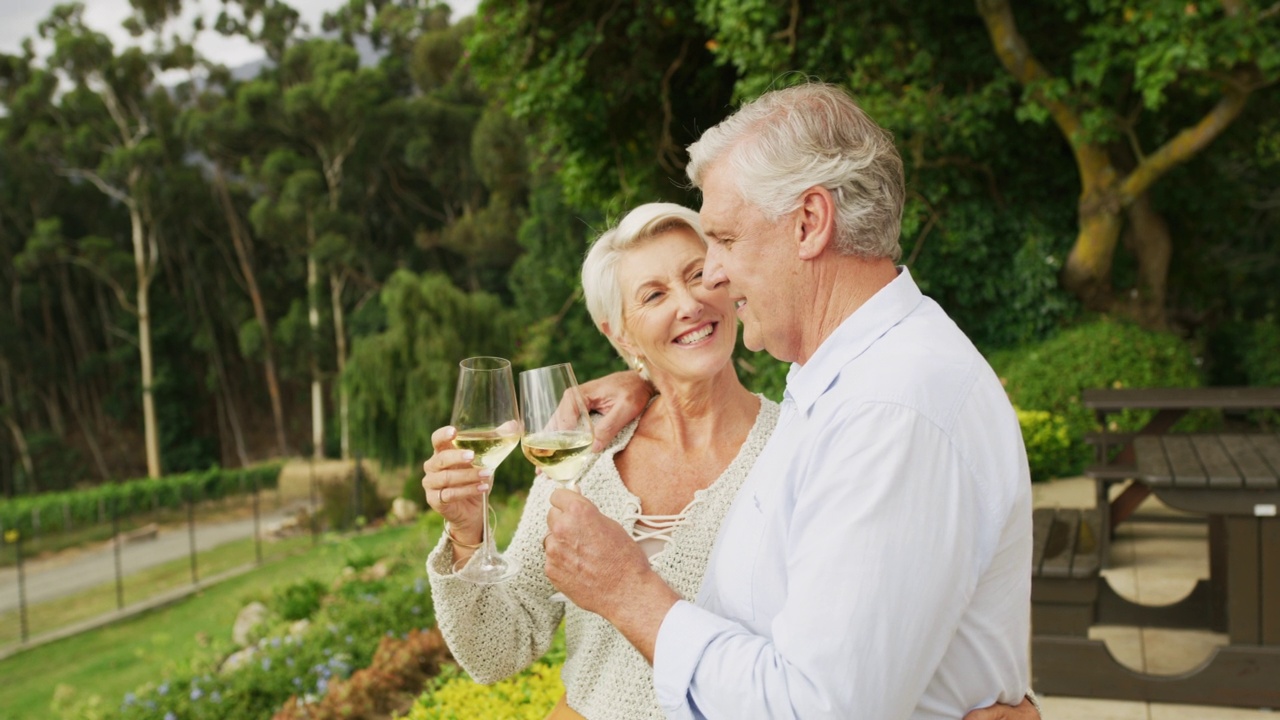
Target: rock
{"type": "Point", "coordinates": [299, 628]}
{"type": "Point", "coordinates": [250, 618]}
{"type": "Point", "coordinates": [404, 510]}
{"type": "Point", "coordinates": [237, 658]}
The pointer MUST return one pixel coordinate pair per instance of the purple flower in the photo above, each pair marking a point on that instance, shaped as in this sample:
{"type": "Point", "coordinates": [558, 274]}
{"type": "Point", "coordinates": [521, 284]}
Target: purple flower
{"type": "Point", "coordinates": [266, 663]}
{"type": "Point", "coordinates": [163, 689]}
{"type": "Point", "coordinates": [170, 716]}
{"type": "Point", "coordinates": [196, 694]}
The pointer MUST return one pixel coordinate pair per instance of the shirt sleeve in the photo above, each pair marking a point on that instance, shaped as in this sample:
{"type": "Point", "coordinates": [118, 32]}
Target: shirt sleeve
{"type": "Point", "coordinates": [495, 631]}
{"type": "Point", "coordinates": [879, 547]}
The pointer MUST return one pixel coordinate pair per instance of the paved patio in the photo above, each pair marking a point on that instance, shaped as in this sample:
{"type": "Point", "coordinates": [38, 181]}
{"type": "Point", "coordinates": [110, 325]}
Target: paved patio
{"type": "Point", "coordinates": [1155, 563]}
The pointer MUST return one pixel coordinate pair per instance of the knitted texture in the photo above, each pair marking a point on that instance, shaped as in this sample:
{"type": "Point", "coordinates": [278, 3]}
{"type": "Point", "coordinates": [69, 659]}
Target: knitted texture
{"type": "Point", "coordinates": [496, 631]}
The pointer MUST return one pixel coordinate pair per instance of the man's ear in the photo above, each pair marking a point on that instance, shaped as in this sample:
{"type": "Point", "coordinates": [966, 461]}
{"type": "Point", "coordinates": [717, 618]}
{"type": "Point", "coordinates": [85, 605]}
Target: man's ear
{"type": "Point", "coordinates": [815, 222]}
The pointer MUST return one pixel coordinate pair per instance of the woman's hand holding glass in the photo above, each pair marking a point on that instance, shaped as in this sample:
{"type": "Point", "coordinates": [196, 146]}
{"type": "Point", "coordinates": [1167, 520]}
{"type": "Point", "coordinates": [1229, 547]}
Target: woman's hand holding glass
{"type": "Point", "coordinates": [454, 488]}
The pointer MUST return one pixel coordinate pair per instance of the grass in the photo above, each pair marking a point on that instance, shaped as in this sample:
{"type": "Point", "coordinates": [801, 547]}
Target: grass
{"type": "Point", "coordinates": [113, 660]}
{"type": "Point", "coordinates": [139, 586]}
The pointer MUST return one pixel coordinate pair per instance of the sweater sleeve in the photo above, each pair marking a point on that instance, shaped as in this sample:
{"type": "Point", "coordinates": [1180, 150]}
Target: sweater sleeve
{"type": "Point", "coordinates": [495, 631]}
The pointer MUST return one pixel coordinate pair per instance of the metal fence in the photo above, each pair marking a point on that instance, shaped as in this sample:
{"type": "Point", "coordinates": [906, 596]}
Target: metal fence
{"type": "Point", "coordinates": [57, 583]}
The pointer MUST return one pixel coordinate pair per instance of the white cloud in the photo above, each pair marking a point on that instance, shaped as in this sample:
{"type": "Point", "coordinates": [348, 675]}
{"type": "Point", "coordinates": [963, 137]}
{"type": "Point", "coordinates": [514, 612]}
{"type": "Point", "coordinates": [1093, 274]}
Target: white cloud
{"type": "Point", "coordinates": [19, 18]}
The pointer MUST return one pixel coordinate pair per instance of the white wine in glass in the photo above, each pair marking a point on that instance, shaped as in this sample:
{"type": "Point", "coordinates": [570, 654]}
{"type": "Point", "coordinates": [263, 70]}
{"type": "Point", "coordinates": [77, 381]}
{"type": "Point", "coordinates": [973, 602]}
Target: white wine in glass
{"type": "Point", "coordinates": [558, 432]}
{"type": "Point", "coordinates": [484, 415]}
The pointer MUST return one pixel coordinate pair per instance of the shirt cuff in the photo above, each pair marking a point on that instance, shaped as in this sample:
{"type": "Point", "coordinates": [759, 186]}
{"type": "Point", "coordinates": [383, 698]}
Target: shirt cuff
{"type": "Point", "coordinates": [675, 657]}
{"type": "Point", "coordinates": [683, 638]}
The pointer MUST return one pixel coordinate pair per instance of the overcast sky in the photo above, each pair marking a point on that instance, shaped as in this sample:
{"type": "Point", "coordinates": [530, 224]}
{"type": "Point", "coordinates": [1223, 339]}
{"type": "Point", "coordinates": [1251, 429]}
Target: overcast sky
{"type": "Point", "coordinates": [18, 20]}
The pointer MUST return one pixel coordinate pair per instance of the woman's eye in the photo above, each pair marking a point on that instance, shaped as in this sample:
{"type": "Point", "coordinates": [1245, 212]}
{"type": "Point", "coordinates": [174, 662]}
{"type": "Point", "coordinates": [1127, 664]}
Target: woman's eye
{"type": "Point", "coordinates": [651, 297]}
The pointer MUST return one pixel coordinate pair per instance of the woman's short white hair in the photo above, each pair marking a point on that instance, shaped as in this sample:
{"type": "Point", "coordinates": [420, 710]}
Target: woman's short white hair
{"type": "Point", "coordinates": [787, 141]}
{"type": "Point", "coordinates": [601, 276]}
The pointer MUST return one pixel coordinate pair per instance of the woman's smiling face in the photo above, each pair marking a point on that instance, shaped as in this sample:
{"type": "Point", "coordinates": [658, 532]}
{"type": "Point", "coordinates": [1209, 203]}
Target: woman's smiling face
{"type": "Point", "coordinates": [681, 328]}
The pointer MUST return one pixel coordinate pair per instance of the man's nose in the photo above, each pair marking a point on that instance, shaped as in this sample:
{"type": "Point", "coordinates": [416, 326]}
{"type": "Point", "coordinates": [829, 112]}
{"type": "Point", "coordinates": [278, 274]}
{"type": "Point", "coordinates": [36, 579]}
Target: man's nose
{"type": "Point", "coordinates": [713, 274]}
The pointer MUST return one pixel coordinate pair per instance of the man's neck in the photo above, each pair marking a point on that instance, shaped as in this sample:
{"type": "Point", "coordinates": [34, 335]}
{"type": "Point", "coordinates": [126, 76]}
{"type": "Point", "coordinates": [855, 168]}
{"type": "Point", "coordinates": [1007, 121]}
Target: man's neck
{"type": "Point", "coordinates": [842, 284]}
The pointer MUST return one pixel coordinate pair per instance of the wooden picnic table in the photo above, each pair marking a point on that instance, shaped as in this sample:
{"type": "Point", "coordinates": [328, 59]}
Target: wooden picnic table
{"type": "Point", "coordinates": [1170, 404]}
{"type": "Point", "coordinates": [1234, 480]}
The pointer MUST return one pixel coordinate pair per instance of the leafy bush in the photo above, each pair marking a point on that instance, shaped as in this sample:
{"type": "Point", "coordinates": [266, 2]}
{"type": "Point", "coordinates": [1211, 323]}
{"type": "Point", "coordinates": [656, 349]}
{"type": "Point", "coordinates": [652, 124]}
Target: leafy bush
{"type": "Point", "coordinates": [1261, 361]}
{"type": "Point", "coordinates": [351, 501]}
{"type": "Point", "coordinates": [1048, 443]}
{"type": "Point", "coordinates": [343, 636]}
{"type": "Point", "coordinates": [400, 667]}
{"type": "Point", "coordinates": [78, 508]}
{"type": "Point", "coordinates": [300, 600]}
{"type": "Point", "coordinates": [1103, 353]}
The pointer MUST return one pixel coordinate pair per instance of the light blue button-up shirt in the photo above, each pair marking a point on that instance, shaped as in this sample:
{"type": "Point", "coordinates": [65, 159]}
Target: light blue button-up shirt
{"type": "Point", "coordinates": [877, 561]}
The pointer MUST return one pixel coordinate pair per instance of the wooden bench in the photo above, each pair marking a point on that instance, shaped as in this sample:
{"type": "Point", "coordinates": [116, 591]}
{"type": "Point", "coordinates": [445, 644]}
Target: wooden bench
{"type": "Point", "coordinates": [1064, 570]}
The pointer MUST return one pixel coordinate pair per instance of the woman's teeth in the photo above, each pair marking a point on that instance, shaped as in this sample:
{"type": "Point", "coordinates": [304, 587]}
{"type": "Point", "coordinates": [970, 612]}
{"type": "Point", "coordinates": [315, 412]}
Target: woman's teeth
{"type": "Point", "coordinates": [694, 336]}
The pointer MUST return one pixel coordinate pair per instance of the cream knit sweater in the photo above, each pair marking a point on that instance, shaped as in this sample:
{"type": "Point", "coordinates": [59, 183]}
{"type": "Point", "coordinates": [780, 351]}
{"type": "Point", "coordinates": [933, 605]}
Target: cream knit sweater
{"type": "Point", "coordinates": [496, 631]}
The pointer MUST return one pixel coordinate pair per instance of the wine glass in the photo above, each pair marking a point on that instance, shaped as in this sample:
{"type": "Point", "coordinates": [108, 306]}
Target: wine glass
{"type": "Point", "coordinates": [484, 415]}
{"type": "Point", "coordinates": [558, 432]}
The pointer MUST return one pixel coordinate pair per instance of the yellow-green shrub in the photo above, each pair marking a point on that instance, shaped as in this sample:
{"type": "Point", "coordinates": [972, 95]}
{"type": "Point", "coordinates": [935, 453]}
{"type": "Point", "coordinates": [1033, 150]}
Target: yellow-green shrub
{"type": "Point", "coordinates": [1048, 442]}
{"type": "Point", "coordinates": [527, 696]}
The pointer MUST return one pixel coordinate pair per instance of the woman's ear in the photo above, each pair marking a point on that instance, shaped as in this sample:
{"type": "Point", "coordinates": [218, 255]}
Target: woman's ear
{"type": "Point", "coordinates": [619, 339]}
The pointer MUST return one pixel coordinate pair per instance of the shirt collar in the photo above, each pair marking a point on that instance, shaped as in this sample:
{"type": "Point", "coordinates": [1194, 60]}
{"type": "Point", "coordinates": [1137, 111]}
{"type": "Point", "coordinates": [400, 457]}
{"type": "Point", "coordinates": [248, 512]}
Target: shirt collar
{"type": "Point", "coordinates": [859, 331]}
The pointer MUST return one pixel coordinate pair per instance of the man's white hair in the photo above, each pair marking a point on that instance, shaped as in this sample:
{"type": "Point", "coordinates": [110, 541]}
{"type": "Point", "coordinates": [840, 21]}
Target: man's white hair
{"type": "Point", "coordinates": [787, 141]}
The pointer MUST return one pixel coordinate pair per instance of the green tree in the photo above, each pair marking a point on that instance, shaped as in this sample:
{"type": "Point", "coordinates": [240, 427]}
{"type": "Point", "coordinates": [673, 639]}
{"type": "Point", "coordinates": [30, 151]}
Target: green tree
{"type": "Point", "coordinates": [117, 105]}
{"type": "Point", "coordinates": [1114, 97]}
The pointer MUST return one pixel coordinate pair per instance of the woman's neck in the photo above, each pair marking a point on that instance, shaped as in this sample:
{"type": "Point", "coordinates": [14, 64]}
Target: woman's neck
{"type": "Point", "coordinates": [700, 414]}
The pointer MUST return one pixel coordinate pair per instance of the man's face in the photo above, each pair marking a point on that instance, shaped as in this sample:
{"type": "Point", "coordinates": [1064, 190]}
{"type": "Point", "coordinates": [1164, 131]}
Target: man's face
{"type": "Point", "coordinates": [748, 255]}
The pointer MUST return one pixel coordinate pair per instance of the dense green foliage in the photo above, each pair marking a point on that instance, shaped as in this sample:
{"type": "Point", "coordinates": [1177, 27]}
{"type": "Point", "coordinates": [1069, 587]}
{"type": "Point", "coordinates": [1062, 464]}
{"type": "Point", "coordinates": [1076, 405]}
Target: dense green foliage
{"type": "Point", "coordinates": [62, 511]}
{"type": "Point", "coordinates": [1103, 353]}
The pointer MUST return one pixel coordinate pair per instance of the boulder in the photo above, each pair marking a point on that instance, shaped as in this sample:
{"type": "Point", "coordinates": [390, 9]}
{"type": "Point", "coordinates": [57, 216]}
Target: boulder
{"type": "Point", "coordinates": [250, 618]}
{"type": "Point", "coordinates": [404, 510]}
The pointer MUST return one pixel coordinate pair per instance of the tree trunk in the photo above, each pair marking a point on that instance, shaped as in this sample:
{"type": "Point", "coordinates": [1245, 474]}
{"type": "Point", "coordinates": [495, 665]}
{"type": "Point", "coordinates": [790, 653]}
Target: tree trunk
{"type": "Point", "coordinates": [19, 438]}
{"type": "Point", "coordinates": [1147, 237]}
{"type": "Point", "coordinates": [313, 315]}
{"type": "Point", "coordinates": [142, 268]}
{"type": "Point", "coordinates": [336, 284]}
{"type": "Point", "coordinates": [240, 240]}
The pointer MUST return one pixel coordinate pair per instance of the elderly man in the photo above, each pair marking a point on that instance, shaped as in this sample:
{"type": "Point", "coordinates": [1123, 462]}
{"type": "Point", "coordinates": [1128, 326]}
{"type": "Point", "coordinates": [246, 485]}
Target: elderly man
{"type": "Point", "coordinates": [876, 562]}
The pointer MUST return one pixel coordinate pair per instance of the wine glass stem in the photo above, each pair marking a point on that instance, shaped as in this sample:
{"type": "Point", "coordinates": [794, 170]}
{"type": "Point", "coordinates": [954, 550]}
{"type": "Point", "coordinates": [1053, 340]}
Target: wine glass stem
{"type": "Point", "coordinates": [486, 546]}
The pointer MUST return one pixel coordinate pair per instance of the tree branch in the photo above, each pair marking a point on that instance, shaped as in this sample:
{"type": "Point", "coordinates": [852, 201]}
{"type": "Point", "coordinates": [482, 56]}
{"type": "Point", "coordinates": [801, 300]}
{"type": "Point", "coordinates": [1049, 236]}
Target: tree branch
{"type": "Point", "coordinates": [1185, 144]}
{"type": "Point", "coordinates": [106, 188]}
{"type": "Point", "coordinates": [121, 295]}
{"type": "Point", "coordinates": [1011, 48]}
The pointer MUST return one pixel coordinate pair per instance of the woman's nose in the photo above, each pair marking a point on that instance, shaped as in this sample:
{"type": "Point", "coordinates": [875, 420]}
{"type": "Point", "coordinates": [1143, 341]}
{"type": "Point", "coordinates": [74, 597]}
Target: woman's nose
{"type": "Point", "coordinates": [690, 304]}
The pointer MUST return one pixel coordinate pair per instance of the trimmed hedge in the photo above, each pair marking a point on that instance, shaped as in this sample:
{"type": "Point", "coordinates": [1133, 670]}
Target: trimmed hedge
{"type": "Point", "coordinates": [60, 511]}
{"type": "Point", "coordinates": [1104, 353]}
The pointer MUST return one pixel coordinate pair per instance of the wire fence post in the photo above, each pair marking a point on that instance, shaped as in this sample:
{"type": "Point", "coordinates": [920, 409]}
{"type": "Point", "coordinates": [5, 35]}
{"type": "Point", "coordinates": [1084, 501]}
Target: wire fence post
{"type": "Point", "coordinates": [311, 510]}
{"type": "Point", "coordinates": [191, 533]}
{"type": "Point", "coordinates": [257, 534]}
{"type": "Point", "coordinates": [358, 500]}
{"type": "Point", "coordinates": [115, 533]}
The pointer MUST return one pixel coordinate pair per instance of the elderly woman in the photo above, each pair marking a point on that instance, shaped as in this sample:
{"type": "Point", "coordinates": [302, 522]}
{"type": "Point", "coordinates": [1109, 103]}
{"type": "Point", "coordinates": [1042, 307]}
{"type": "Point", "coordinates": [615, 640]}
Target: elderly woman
{"type": "Point", "coordinates": [668, 478]}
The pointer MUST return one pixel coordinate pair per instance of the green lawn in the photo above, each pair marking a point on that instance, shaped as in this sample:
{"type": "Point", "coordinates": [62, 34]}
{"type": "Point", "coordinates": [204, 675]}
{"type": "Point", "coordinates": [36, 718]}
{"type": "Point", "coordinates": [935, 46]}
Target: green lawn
{"type": "Point", "coordinates": [113, 660]}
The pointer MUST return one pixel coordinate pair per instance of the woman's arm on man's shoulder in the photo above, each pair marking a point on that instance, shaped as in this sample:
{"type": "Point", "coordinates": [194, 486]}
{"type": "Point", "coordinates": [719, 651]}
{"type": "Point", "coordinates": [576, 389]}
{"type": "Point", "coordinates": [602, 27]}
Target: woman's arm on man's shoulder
{"type": "Point", "coordinates": [619, 398]}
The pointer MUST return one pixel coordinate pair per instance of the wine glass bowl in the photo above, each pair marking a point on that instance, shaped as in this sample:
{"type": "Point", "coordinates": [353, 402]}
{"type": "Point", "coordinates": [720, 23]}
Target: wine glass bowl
{"type": "Point", "coordinates": [487, 423]}
{"type": "Point", "coordinates": [558, 431]}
